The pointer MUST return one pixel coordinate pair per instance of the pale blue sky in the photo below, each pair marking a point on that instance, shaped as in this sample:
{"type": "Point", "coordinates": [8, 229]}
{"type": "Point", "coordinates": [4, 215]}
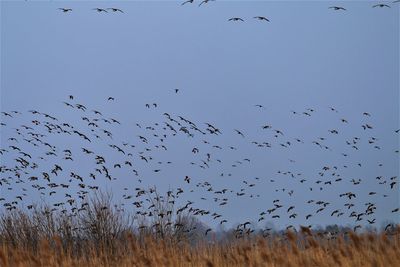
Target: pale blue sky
{"type": "Point", "coordinates": [308, 56]}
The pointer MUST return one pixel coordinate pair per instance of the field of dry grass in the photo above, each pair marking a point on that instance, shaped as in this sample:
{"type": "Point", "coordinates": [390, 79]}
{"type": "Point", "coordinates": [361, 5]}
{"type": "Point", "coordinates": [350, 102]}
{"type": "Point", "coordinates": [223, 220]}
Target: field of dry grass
{"type": "Point", "coordinates": [293, 250]}
{"type": "Point", "coordinates": [99, 236]}
{"type": "Point", "coordinates": [103, 235]}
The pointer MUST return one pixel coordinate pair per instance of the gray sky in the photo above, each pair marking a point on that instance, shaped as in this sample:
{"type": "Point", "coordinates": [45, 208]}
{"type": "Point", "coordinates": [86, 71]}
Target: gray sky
{"type": "Point", "coordinates": [307, 56]}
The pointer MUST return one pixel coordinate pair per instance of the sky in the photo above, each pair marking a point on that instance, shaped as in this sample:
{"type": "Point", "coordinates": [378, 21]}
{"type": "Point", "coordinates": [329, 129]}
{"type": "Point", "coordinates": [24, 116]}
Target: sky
{"type": "Point", "coordinates": [307, 56]}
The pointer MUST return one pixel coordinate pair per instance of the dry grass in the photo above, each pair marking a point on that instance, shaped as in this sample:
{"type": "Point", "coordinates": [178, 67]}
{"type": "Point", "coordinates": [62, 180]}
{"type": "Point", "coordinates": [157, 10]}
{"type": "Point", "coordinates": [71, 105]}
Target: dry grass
{"type": "Point", "coordinates": [358, 250]}
{"type": "Point", "coordinates": [99, 236]}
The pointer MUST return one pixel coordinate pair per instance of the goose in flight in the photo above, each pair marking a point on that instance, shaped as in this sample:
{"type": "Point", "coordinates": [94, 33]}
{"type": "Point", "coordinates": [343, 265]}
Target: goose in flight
{"type": "Point", "coordinates": [239, 133]}
{"type": "Point", "coordinates": [261, 18]}
{"type": "Point", "coordinates": [337, 8]}
{"type": "Point", "coordinates": [187, 179]}
{"type": "Point", "coordinates": [381, 5]}
{"type": "Point", "coordinates": [115, 9]}
{"type": "Point", "coordinates": [100, 10]}
{"type": "Point", "coordinates": [235, 19]}
{"type": "Point", "coordinates": [205, 2]}
{"type": "Point", "coordinates": [65, 10]}
{"type": "Point", "coordinates": [186, 2]}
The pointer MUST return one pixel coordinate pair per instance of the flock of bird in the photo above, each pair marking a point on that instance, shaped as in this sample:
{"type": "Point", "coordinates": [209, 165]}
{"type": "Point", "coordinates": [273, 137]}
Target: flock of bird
{"type": "Point", "coordinates": [63, 162]}
{"type": "Point", "coordinates": [97, 9]}
{"type": "Point", "coordinates": [260, 18]}
{"type": "Point", "coordinates": [374, 6]}
{"type": "Point", "coordinates": [337, 8]}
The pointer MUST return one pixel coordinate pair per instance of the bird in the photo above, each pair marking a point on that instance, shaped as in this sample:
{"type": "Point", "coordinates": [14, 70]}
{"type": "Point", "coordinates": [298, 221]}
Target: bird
{"type": "Point", "coordinates": [186, 2]}
{"type": "Point", "coordinates": [65, 10]}
{"type": "Point", "coordinates": [261, 18]}
{"type": "Point", "coordinates": [115, 9]}
{"type": "Point", "coordinates": [239, 132]}
{"type": "Point", "coordinates": [235, 19]}
{"type": "Point", "coordinates": [205, 2]}
{"type": "Point", "coordinates": [381, 5]}
{"type": "Point", "coordinates": [99, 10]}
{"type": "Point", "coordinates": [337, 8]}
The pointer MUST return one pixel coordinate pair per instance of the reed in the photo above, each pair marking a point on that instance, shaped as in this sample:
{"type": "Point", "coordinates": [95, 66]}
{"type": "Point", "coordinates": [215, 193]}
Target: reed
{"type": "Point", "coordinates": [102, 235]}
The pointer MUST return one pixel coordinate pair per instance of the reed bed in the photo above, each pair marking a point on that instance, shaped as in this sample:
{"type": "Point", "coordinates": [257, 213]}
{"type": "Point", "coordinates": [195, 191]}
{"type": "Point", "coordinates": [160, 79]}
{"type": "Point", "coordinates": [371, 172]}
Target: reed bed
{"type": "Point", "coordinates": [103, 235]}
{"type": "Point", "coordinates": [357, 250]}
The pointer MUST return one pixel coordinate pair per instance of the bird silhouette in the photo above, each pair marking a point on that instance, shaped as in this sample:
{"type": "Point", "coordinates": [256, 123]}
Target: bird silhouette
{"type": "Point", "coordinates": [261, 18]}
{"type": "Point", "coordinates": [235, 19]}
{"type": "Point", "coordinates": [65, 10]}
{"type": "Point", "coordinates": [381, 5]}
{"type": "Point", "coordinates": [186, 2]}
{"type": "Point", "coordinates": [337, 8]}
{"type": "Point", "coordinates": [205, 2]}
{"type": "Point", "coordinates": [99, 10]}
{"type": "Point", "coordinates": [113, 9]}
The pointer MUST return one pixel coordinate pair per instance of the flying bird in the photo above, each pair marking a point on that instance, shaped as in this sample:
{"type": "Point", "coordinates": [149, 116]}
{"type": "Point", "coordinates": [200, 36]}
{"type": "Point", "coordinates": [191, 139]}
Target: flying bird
{"type": "Point", "coordinates": [235, 19]}
{"type": "Point", "coordinates": [239, 132]}
{"type": "Point", "coordinates": [381, 5]}
{"type": "Point", "coordinates": [65, 10]}
{"type": "Point", "coordinates": [100, 10]}
{"type": "Point", "coordinates": [205, 2]}
{"type": "Point", "coordinates": [115, 9]}
{"type": "Point", "coordinates": [186, 2]}
{"type": "Point", "coordinates": [261, 18]}
{"type": "Point", "coordinates": [337, 8]}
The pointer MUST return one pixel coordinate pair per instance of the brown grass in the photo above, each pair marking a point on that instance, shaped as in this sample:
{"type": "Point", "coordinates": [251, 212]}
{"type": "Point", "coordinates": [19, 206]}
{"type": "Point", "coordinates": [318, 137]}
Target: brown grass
{"type": "Point", "coordinates": [106, 237]}
{"type": "Point", "coordinates": [359, 250]}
